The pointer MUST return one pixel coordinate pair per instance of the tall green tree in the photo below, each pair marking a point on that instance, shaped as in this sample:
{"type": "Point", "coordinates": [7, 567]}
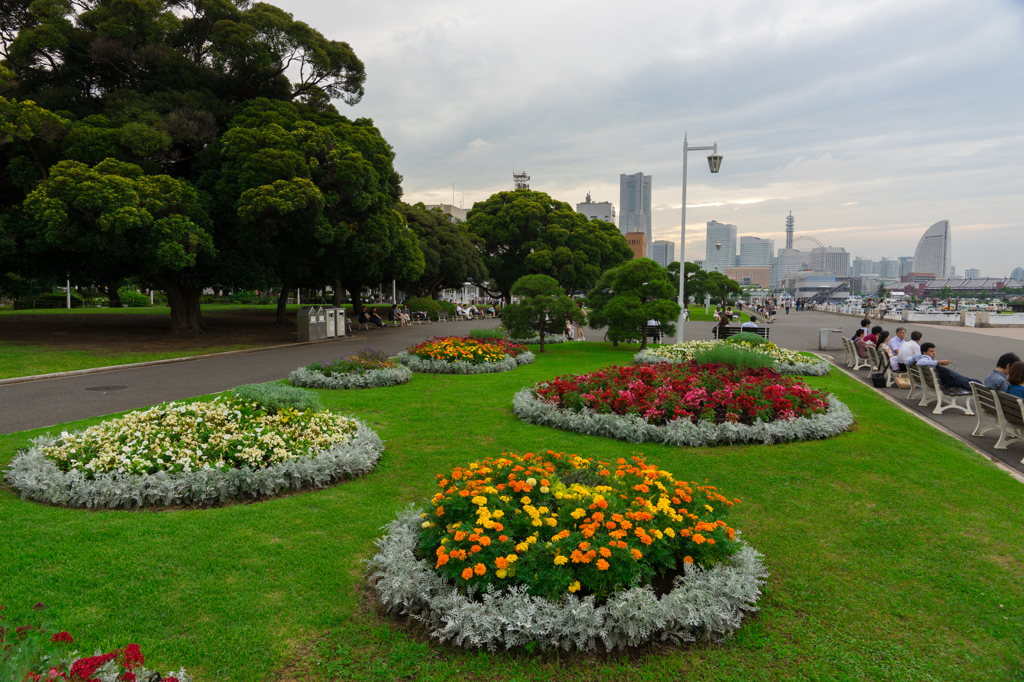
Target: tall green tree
{"type": "Point", "coordinates": [451, 257]}
{"type": "Point", "coordinates": [524, 232]}
{"type": "Point", "coordinates": [627, 297]}
{"type": "Point", "coordinates": [542, 305]}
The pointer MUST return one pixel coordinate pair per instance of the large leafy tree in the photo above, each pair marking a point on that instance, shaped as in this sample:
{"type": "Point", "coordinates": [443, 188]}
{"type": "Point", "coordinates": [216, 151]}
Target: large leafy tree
{"type": "Point", "coordinates": [156, 83]}
{"type": "Point", "coordinates": [543, 305]}
{"type": "Point", "coordinates": [451, 257]}
{"type": "Point", "coordinates": [627, 297]}
{"type": "Point", "coordinates": [525, 232]}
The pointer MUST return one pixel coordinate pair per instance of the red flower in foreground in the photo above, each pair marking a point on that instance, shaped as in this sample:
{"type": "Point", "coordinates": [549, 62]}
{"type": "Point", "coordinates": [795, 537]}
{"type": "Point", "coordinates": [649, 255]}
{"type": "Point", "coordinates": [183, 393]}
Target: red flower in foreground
{"type": "Point", "coordinates": [84, 668]}
{"type": "Point", "coordinates": [63, 637]}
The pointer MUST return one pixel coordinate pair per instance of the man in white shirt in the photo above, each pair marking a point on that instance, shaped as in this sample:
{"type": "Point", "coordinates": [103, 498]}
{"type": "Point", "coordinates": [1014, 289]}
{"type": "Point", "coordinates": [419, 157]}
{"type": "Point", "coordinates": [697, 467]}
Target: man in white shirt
{"type": "Point", "coordinates": [895, 343]}
{"type": "Point", "coordinates": [749, 324]}
{"type": "Point", "coordinates": [948, 378]}
{"type": "Point", "coordinates": [908, 350]}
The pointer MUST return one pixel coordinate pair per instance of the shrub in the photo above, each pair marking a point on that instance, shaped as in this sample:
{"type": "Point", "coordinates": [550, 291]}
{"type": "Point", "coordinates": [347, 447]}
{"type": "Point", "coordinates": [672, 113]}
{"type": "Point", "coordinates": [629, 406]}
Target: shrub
{"type": "Point", "coordinates": [730, 354]}
{"type": "Point", "coordinates": [556, 523]}
{"type": "Point", "coordinates": [447, 306]}
{"type": "Point", "coordinates": [492, 333]}
{"type": "Point", "coordinates": [426, 305]}
{"type": "Point", "coordinates": [747, 337]}
{"type": "Point", "coordinates": [273, 397]}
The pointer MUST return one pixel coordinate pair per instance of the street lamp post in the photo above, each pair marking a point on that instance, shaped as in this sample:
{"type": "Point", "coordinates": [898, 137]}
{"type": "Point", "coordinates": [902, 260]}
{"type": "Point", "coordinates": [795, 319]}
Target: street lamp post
{"type": "Point", "coordinates": [714, 162]}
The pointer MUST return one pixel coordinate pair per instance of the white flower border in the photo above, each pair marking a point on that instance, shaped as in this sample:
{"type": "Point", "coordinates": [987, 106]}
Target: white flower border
{"type": "Point", "coordinates": [534, 410]}
{"type": "Point", "coordinates": [534, 340]}
{"type": "Point", "coordinates": [371, 378]}
{"type": "Point", "coordinates": [38, 478]}
{"type": "Point", "coordinates": [441, 367]}
{"type": "Point", "coordinates": [819, 368]}
{"type": "Point", "coordinates": [705, 603]}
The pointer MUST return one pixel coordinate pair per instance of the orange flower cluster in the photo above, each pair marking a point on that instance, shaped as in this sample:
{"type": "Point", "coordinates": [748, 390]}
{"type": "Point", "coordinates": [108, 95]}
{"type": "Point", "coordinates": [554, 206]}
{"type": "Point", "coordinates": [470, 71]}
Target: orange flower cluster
{"type": "Point", "coordinates": [557, 523]}
{"type": "Point", "coordinates": [464, 349]}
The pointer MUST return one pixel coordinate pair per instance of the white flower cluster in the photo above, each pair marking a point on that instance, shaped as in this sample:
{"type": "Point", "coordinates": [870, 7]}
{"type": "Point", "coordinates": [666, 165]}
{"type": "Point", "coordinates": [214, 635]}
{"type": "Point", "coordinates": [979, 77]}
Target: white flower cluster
{"type": "Point", "coordinates": [223, 433]}
{"type": "Point", "coordinates": [704, 603]}
{"type": "Point", "coordinates": [507, 363]}
{"type": "Point", "coordinates": [37, 477]}
{"type": "Point", "coordinates": [786, 361]}
{"type": "Point", "coordinates": [633, 428]}
{"type": "Point", "coordinates": [535, 339]}
{"type": "Point", "coordinates": [371, 378]}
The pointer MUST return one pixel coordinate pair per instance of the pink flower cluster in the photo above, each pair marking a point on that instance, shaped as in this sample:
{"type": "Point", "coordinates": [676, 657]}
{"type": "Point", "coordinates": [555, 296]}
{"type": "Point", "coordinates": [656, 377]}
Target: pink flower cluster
{"type": "Point", "coordinates": [662, 393]}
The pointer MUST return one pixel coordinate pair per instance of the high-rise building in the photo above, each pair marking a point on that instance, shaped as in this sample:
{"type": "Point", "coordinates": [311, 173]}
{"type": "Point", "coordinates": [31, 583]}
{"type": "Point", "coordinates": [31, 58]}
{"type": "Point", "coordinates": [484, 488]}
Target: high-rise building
{"type": "Point", "coordinates": [789, 259]}
{"type": "Point", "coordinates": [663, 252]}
{"type": "Point", "coordinates": [934, 251]}
{"type": "Point", "coordinates": [721, 247]}
{"type": "Point", "coordinates": [635, 204]}
{"type": "Point", "coordinates": [1017, 274]}
{"type": "Point", "coordinates": [906, 265]}
{"type": "Point", "coordinates": [887, 268]}
{"type": "Point", "coordinates": [862, 266]}
{"type": "Point", "coordinates": [599, 210]}
{"type": "Point", "coordinates": [831, 259]}
{"type": "Point", "coordinates": [972, 273]}
{"type": "Point", "coordinates": [758, 253]}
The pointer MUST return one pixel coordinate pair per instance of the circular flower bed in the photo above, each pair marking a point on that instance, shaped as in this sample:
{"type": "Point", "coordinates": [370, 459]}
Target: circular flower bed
{"type": "Point", "coordinates": [195, 453]}
{"type": "Point", "coordinates": [685, 404]}
{"type": "Point", "coordinates": [535, 339]}
{"type": "Point", "coordinates": [367, 368]}
{"type": "Point", "coordinates": [463, 355]}
{"type": "Point", "coordinates": [786, 361]}
{"type": "Point", "coordinates": [568, 552]}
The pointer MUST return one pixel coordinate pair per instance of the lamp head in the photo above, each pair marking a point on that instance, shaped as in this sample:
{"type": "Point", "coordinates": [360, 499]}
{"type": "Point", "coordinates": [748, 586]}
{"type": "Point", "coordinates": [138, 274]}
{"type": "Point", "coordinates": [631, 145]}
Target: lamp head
{"type": "Point", "coordinates": [715, 162]}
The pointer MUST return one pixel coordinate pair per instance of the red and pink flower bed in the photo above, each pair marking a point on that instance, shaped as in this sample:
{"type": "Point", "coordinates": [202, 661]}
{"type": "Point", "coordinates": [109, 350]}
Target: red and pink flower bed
{"type": "Point", "coordinates": [663, 393]}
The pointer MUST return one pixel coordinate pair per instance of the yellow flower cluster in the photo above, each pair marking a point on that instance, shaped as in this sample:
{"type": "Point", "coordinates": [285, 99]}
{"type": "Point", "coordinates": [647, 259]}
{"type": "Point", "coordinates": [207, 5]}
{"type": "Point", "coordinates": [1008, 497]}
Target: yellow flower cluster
{"type": "Point", "coordinates": [464, 349]}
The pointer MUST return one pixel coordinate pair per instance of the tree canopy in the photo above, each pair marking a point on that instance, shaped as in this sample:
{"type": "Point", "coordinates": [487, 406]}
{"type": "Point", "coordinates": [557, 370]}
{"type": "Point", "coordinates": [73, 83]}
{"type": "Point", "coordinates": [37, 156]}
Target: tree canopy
{"type": "Point", "coordinates": [543, 305]}
{"type": "Point", "coordinates": [524, 232]}
{"type": "Point", "coordinates": [450, 255]}
{"type": "Point", "coordinates": [627, 297]}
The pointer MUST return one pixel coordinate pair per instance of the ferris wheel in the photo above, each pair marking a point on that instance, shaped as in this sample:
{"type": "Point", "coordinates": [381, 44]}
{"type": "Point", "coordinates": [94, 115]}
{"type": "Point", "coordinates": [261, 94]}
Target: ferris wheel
{"type": "Point", "coordinates": [807, 239]}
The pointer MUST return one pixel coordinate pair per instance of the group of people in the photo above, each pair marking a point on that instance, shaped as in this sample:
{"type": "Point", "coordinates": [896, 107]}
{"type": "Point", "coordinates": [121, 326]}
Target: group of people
{"type": "Point", "coordinates": [901, 353]}
{"type": "Point", "coordinates": [726, 316]}
{"type": "Point", "coordinates": [1008, 376]}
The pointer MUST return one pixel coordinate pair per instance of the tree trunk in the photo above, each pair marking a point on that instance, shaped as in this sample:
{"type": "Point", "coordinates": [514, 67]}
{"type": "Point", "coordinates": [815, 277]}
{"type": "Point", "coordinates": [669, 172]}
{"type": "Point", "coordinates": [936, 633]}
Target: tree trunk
{"type": "Point", "coordinates": [541, 332]}
{"type": "Point", "coordinates": [357, 300]}
{"type": "Point", "coordinates": [643, 337]}
{"type": "Point", "coordinates": [185, 304]}
{"type": "Point", "coordinates": [115, 298]}
{"type": "Point", "coordinates": [282, 305]}
{"type": "Point", "coordinates": [336, 301]}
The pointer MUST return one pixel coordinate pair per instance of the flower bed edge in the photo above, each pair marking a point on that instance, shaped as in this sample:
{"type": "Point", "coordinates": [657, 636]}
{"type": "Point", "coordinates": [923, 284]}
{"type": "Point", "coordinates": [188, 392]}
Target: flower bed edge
{"type": "Point", "coordinates": [373, 378]}
{"type": "Point", "coordinates": [441, 367]}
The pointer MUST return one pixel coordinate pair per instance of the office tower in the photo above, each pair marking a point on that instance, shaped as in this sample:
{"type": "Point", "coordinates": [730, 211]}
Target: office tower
{"type": "Point", "coordinates": [758, 253]}
{"type": "Point", "coordinates": [721, 247]}
{"type": "Point", "coordinates": [830, 259]}
{"type": "Point", "coordinates": [635, 204]}
{"type": "Point", "coordinates": [862, 266]}
{"type": "Point", "coordinates": [934, 251]}
{"type": "Point", "coordinates": [886, 268]}
{"type": "Point", "coordinates": [599, 210]}
{"type": "Point", "coordinates": [972, 273]}
{"type": "Point", "coordinates": [663, 252]}
{"type": "Point", "coordinates": [906, 265]}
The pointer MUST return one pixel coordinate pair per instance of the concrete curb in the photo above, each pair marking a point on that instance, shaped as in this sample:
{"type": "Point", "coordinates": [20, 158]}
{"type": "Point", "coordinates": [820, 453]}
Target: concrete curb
{"type": "Point", "coordinates": [166, 361]}
{"type": "Point", "coordinates": [1015, 474]}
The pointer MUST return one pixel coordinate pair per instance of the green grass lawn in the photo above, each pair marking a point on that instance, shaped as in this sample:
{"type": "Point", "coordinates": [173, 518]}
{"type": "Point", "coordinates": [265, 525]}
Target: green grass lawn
{"type": "Point", "coordinates": [896, 553]}
{"type": "Point", "coordinates": [19, 361]}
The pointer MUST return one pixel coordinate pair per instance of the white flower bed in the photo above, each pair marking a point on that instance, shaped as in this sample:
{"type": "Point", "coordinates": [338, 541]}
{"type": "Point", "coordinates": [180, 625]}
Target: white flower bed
{"type": "Point", "coordinates": [786, 361]}
{"type": "Point", "coordinates": [707, 604]}
{"type": "Point", "coordinates": [371, 378]}
{"type": "Point", "coordinates": [530, 408]}
{"type": "Point", "coordinates": [183, 478]}
{"type": "Point", "coordinates": [441, 367]}
{"type": "Point", "coordinates": [535, 339]}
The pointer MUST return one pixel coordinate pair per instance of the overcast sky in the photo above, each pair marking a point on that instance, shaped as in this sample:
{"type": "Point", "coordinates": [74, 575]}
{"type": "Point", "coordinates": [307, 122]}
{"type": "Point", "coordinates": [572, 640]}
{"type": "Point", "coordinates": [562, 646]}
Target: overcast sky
{"type": "Point", "coordinates": [869, 120]}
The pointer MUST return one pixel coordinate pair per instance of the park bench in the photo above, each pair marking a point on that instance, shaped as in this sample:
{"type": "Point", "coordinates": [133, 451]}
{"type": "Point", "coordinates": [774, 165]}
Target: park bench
{"type": "Point", "coordinates": [855, 361]}
{"type": "Point", "coordinates": [443, 316]}
{"type": "Point", "coordinates": [945, 397]}
{"type": "Point", "coordinates": [722, 333]}
{"type": "Point", "coordinates": [916, 384]}
{"type": "Point", "coordinates": [1008, 420]}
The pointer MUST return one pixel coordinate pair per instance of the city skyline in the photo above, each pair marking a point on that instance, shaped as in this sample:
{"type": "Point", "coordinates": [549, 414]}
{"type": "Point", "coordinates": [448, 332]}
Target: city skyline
{"type": "Point", "coordinates": [868, 120]}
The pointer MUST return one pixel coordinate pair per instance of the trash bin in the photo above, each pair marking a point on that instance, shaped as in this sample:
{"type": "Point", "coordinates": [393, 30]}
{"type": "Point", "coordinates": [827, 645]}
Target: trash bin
{"type": "Point", "coordinates": [339, 323]}
{"type": "Point", "coordinates": [823, 337]}
{"type": "Point", "coordinates": [331, 321]}
{"type": "Point", "coordinates": [306, 318]}
{"type": "Point", "coordinates": [321, 323]}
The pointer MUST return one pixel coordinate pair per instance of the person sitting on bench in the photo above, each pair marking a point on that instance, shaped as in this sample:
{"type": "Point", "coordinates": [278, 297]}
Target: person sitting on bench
{"type": "Point", "coordinates": [948, 378]}
{"type": "Point", "coordinates": [864, 326]}
{"type": "Point", "coordinates": [908, 350]}
{"type": "Point", "coordinates": [368, 317]}
{"type": "Point", "coordinates": [858, 341]}
{"type": "Point", "coordinates": [997, 379]}
{"type": "Point", "coordinates": [1016, 379]}
{"type": "Point", "coordinates": [872, 336]}
{"type": "Point", "coordinates": [749, 324]}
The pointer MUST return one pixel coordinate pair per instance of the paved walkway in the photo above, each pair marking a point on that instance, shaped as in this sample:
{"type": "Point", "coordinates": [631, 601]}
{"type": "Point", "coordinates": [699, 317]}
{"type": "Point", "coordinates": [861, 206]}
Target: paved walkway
{"type": "Point", "coordinates": [43, 403]}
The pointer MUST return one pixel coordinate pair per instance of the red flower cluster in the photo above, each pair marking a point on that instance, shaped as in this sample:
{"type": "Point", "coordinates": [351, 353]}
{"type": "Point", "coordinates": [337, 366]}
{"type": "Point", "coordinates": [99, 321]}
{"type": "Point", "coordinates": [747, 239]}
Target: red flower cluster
{"type": "Point", "coordinates": [662, 393]}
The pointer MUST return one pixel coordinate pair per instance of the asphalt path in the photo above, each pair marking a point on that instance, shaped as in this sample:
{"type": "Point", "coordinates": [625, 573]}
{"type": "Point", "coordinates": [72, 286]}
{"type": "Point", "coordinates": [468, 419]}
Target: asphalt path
{"type": "Point", "coordinates": [36, 404]}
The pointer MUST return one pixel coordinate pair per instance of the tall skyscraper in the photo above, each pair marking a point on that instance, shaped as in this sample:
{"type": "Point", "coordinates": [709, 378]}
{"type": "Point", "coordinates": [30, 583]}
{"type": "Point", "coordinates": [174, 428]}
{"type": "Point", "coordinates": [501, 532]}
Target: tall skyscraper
{"type": "Point", "coordinates": [934, 252]}
{"type": "Point", "coordinates": [758, 253]}
{"type": "Point", "coordinates": [601, 210]}
{"type": "Point", "coordinates": [663, 252]}
{"type": "Point", "coordinates": [635, 204]}
{"type": "Point", "coordinates": [906, 265]}
{"type": "Point", "coordinates": [862, 266]}
{"type": "Point", "coordinates": [721, 247]}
